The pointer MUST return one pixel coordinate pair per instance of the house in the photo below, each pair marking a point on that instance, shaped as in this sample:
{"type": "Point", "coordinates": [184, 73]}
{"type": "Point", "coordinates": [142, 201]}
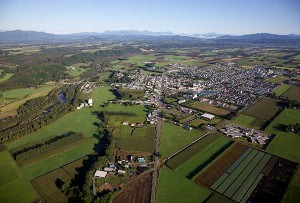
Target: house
{"type": "Point", "coordinates": [90, 102]}
{"type": "Point", "coordinates": [100, 174]}
{"type": "Point", "coordinates": [207, 116]}
{"type": "Point", "coordinates": [109, 169]}
{"type": "Point", "coordinates": [181, 101]}
{"type": "Point", "coordinates": [121, 172]}
{"type": "Point", "coordinates": [124, 123]}
{"type": "Point", "coordinates": [141, 160]}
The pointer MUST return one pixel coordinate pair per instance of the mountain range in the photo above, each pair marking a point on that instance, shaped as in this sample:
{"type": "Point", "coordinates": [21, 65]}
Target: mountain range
{"type": "Point", "coordinates": [17, 36]}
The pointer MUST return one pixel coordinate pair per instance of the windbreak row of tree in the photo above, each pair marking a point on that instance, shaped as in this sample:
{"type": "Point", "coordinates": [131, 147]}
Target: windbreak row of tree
{"type": "Point", "coordinates": [119, 113]}
{"type": "Point", "coordinates": [47, 146]}
{"type": "Point", "coordinates": [37, 118]}
{"type": "Point", "coordinates": [82, 191]}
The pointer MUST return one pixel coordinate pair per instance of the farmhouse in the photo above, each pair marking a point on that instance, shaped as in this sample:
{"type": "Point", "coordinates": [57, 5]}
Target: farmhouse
{"type": "Point", "coordinates": [207, 116]}
{"type": "Point", "coordinates": [100, 174]}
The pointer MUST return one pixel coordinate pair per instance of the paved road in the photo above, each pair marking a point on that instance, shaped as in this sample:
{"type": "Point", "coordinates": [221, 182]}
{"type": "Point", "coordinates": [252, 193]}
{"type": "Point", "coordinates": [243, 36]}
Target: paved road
{"type": "Point", "coordinates": [157, 145]}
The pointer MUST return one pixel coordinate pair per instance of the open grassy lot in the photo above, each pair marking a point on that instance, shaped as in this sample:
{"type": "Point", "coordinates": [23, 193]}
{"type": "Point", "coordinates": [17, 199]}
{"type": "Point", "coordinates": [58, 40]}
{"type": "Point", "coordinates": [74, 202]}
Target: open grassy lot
{"type": "Point", "coordinates": [281, 89]}
{"type": "Point", "coordinates": [135, 139]}
{"type": "Point", "coordinates": [189, 152]}
{"type": "Point", "coordinates": [292, 194]}
{"type": "Point", "coordinates": [293, 93]}
{"type": "Point", "coordinates": [78, 121]}
{"type": "Point", "coordinates": [203, 106]}
{"type": "Point", "coordinates": [13, 186]}
{"type": "Point", "coordinates": [285, 144]}
{"type": "Point", "coordinates": [174, 188]}
{"type": "Point", "coordinates": [22, 92]}
{"type": "Point", "coordinates": [77, 72]}
{"type": "Point", "coordinates": [204, 157]}
{"type": "Point", "coordinates": [173, 138]}
{"type": "Point", "coordinates": [72, 168]}
{"type": "Point", "coordinates": [47, 188]}
{"type": "Point", "coordinates": [48, 164]}
{"type": "Point", "coordinates": [249, 121]}
{"type": "Point", "coordinates": [6, 77]}
{"type": "Point", "coordinates": [11, 108]}
{"type": "Point", "coordinates": [266, 108]}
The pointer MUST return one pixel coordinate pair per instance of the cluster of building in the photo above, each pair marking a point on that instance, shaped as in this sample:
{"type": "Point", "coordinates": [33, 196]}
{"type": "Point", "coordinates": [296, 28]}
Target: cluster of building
{"type": "Point", "coordinates": [89, 103]}
{"type": "Point", "coordinates": [254, 136]}
{"type": "Point", "coordinates": [227, 84]}
{"type": "Point", "coordinates": [87, 87]}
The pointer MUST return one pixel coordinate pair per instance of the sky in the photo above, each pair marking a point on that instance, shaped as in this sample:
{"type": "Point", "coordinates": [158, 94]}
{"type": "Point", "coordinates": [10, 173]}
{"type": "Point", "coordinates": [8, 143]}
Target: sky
{"type": "Point", "coordinates": [179, 16]}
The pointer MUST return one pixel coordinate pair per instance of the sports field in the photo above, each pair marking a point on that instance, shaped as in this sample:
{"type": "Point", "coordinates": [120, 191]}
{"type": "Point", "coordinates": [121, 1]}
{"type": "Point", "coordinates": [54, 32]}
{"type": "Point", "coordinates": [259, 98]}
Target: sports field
{"type": "Point", "coordinates": [266, 109]}
{"type": "Point", "coordinates": [13, 185]}
{"type": "Point", "coordinates": [173, 138]}
{"type": "Point", "coordinates": [285, 144]}
{"type": "Point", "coordinates": [172, 185]}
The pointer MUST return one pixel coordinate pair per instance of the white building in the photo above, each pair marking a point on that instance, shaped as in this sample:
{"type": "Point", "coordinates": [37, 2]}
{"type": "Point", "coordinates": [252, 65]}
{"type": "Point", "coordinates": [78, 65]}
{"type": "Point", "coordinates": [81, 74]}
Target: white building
{"type": "Point", "coordinates": [207, 116]}
{"type": "Point", "coordinates": [100, 174]}
{"type": "Point", "coordinates": [90, 102]}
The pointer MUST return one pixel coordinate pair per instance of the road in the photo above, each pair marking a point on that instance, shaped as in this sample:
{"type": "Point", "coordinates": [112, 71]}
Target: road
{"type": "Point", "coordinates": [157, 145]}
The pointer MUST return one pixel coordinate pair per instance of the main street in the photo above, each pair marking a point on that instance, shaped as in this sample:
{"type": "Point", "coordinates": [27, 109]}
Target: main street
{"type": "Point", "coordinates": [157, 144]}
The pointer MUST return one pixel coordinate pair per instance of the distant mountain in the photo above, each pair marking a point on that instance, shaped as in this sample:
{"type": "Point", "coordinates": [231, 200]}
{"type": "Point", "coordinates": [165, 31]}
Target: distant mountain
{"type": "Point", "coordinates": [259, 36]}
{"type": "Point", "coordinates": [20, 35]}
{"type": "Point", "coordinates": [135, 32]}
{"type": "Point", "coordinates": [211, 35]}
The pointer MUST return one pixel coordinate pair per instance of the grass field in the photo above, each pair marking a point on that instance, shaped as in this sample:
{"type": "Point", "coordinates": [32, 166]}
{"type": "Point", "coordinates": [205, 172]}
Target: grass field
{"type": "Point", "coordinates": [58, 160]}
{"type": "Point", "coordinates": [293, 93]}
{"type": "Point", "coordinates": [249, 121]}
{"type": "Point", "coordinates": [13, 186]}
{"type": "Point", "coordinates": [22, 92]}
{"type": "Point", "coordinates": [6, 77]}
{"type": "Point", "coordinates": [266, 108]}
{"type": "Point", "coordinates": [138, 139]}
{"type": "Point", "coordinates": [78, 121]}
{"type": "Point", "coordinates": [174, 188]}
{"type": "Point", "coordinates": [189, 152]}
{"type": "Point", "coordinates": [285, 144]}
{"type": "Point", "coordinates": [207, 108]}
{"type": "Point", "coordinates": [203, 158]}
{"type": "Point", "coordinates": [282, 89]}
{"type": "Point", "coordinates": [292, 194]}
{"type": "Point", "coordinates": [46, 186]}
{"type": "Point", "coordinates": [11, 108]}
{"type": "Point", "coordinates": [76, 72]}
{"type": "Point", "coordinates": [174, 138]}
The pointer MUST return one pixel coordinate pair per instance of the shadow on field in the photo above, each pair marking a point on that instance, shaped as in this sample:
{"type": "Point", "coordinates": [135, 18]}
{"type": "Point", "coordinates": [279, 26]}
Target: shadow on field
{"type": "Point", "coordinates": [280, 127]}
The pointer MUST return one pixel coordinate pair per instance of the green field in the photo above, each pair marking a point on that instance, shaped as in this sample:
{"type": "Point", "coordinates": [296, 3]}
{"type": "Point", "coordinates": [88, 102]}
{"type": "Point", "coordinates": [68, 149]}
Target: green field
{"type": "Point", "coordinates": [293, 93]}
{"type": "Point", "coordinates": [78, 121]}
{"type": "Point", "coordinates": [203, 106]}
{"type": "Point", "coordinates": [266, 109]}
{"type": "Point", "coordinates": [76, 72]}
{"type": "Point", "coordinates": [281, 89]}
{"type": "Point", "coordinates": [138, 139]}
{"type": "Point", "coordinates": [6, 77]}
{"type": "Point", "coordinates": [22, 92]}
{"type": "Point", "coordinates": [174, 188]}
{"type": "Point", "coordinates": [249, 121]}
{"type": "Point", "coordinates": [189, 152]}
{"type": "Point", "coordinates": [173, 138]}
{"type": "Point", "coordinates": [285, 144]}
{"type": "Point", "coordinates": [13, 186]}
{"type": "Point", "coordinates": [292, 194]}
{"type": "Point", "coordinates": [58, 160]}
{"type": "Point", "coordinates": [46, 186]}
{"type": "Point", "coordinates": [203, 158]}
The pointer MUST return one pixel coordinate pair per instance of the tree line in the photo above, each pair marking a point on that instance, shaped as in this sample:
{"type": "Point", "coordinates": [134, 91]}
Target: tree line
{"type": "Point", "coordinates": [46, 146]}
{"type": "Point", "coordinates": [119, 113]}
